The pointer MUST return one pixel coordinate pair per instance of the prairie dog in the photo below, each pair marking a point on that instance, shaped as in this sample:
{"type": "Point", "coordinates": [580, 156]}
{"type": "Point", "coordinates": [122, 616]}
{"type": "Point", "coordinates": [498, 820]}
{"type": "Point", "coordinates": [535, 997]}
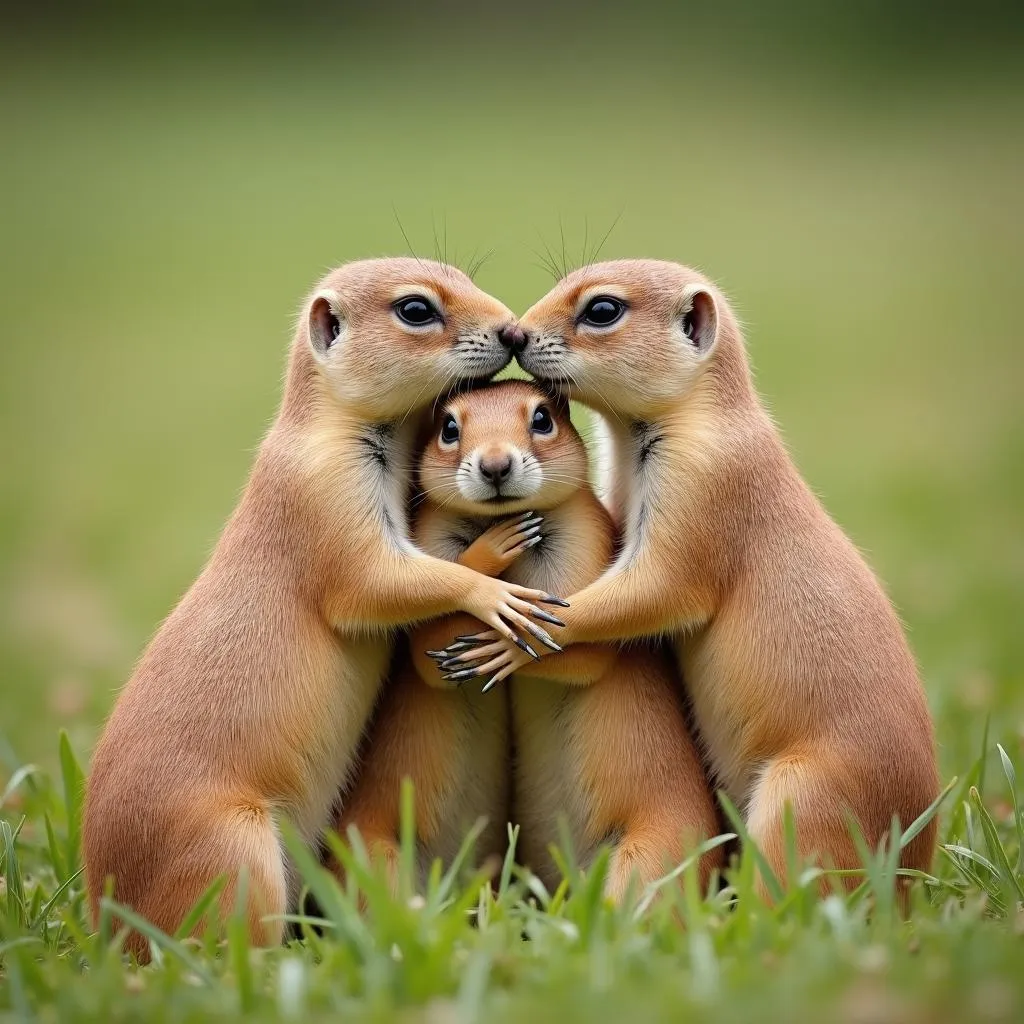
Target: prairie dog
{"type": "Point", "coordinates": [803, 686]}
{"type": "Point", "coordinates": [615, 757]}
{"type": "Point", "coordinates": [249, 703]}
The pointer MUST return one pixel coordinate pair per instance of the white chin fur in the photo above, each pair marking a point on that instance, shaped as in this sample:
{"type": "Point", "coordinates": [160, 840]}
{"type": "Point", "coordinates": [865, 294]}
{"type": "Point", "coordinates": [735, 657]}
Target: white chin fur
{"type": "Point", "coordinates": [523, 482]}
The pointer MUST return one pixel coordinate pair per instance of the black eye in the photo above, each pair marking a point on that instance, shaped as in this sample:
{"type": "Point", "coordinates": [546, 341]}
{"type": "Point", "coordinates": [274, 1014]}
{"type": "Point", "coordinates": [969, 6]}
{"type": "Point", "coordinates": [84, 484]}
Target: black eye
{"type": "Point", "coordinates": [416, 311]}
{"type": "Point", "coordinates": [602, 311]}
{"type": "Point", "coordinates": [689, 329]}
{"type": "Point", "coordinates": [449, 430]}
{"type": "Point", "coordinates": [542, 423]}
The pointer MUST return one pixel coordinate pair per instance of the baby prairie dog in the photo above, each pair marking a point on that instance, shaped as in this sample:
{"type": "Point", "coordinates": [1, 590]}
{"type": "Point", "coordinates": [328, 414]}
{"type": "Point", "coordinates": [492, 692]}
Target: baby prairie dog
{"type": "Point", "coordinates": [615, 757]}
{"type": "Point", "coordinates": [802, 684]}
{"type": "Point", "coordinates": [250, 701]}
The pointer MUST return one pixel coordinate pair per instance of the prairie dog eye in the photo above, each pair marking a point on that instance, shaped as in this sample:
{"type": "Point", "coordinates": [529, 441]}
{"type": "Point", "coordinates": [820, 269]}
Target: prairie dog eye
{"type": "Point", "coordinates": [416, 311]}
{"type": "Point", "coordinates": [602, 311]}
{"type": "Point", "coordinates": [688, 326]}
{"type": "Point", "coordinates": [542, 422]}
{"type": "Point", "coordinates": [449, 432]}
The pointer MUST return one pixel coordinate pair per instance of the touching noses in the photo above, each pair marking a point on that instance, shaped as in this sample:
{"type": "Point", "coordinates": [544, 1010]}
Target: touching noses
{"type": "Point", "coordinates": [513, 337]}
{"type": "Point", "coordinates": [496, 468]}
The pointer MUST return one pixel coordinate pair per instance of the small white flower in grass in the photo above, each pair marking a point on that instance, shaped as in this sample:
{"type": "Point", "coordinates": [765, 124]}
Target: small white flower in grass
{"type": "Point", "coordinates": [417, 902]}
{"type": "Point", "coordinates": [291, 987]}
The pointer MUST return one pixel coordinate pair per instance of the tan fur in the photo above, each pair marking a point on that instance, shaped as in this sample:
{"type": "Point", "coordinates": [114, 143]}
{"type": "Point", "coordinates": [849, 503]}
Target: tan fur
{"type": "Point", "coordinates": [250, 701]}
{"type": "Point", "coordinates": [615, 757]}
{"type": "Point", "coordinates": [803, 686]}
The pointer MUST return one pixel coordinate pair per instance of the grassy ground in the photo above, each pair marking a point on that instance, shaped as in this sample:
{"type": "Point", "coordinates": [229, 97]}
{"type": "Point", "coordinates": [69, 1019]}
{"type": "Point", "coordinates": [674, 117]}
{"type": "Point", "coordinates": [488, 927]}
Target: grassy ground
{"type": "Point", "coordinates": [164, 211]}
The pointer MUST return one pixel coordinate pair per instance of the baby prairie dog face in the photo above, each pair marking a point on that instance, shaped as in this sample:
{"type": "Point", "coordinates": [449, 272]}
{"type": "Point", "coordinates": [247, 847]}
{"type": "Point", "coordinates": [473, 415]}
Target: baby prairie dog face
{"type": "Point", "coordinates": [629, 336]}
{"type": "Point", "coordinates": [389, 335]}
{"type": "Point", "coordinates": [502, 448]}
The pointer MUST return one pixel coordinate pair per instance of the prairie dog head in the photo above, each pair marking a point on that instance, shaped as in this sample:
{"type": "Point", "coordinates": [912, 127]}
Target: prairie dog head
{"type": "Point", "coordinates": [627, 337]}
{"type": "Point", "coordinates": [502, 448]}
{"type": "Point", "coordinates": [390, 335]}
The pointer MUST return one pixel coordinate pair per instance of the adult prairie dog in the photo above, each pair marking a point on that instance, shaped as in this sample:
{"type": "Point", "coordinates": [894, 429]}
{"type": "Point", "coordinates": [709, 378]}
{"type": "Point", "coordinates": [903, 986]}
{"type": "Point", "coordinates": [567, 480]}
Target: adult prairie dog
{"type": "Point", "coordinates": [802, 683]}
{"type": "Point", "coordinates": [250, 701]}
{"type": "Point", "coordinates": [615, 757]}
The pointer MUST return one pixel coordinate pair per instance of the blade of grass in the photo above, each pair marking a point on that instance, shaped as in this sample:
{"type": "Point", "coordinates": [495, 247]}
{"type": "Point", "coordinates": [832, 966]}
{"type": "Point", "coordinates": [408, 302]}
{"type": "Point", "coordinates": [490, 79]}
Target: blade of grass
{"type": "Point", "coordinates": [12, 877]}
{"type": "Point", "coordinates": [23, 773]}
{"type": "Point", "coordinates": [161, 940]}
{"type": "Point", "coordinates": [509, 860]}
{"type": "Point", "coordinates": [56, 857]}
{"type": "Point", "coordinates": [771, 881]}
{"type": "Point", "coordinates": [199, 910]}
{"type": "Point", "coordinates": [919, 823]}
{"type": "Point", "coordinates": [51, 902]}
{"type": "Point", "coordinates": [997, 851]}
{"type": "Point", "coordinates": [74, 783]}
{"type": "Point", "coordinates": [238, 945]}
{"type": "Point", "coordinates": [984, 754]}
{"type": "Point", "coordinates": [652, 888]}
{"type": "Point", "coordinates": [450, 877]}
{"type": "Point", "coordinates": [1011, 778]}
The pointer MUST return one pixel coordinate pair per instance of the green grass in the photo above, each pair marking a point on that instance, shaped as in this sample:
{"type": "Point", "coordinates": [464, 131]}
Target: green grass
{"type": "Point", "coordinates": [166, 203]}
{"type": "Point", "coordinates": [461, 949]}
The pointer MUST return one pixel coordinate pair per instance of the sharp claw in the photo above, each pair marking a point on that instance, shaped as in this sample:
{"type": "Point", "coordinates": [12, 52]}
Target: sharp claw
{"type": "Point", "coordinates": [533, 542]}
{"type": "Point", "coordinates": [469, 641]}
{"type": "Point", "coordinates": [489, 685]}
{"type": "Point", "coordinates": [543, 637]}
{"type": "Point", "coordinates": [458, 677]}
{"type": "Point", "coordinates": [436, 654]}
{"type": "Point", "coordinates": [524, 646]}
{"type": "Point", "coordinates": [551, 599]}
{"type": "Point", "coordinates": [525, 515]}
{"type": "Point", "coordinates": [545, 617]}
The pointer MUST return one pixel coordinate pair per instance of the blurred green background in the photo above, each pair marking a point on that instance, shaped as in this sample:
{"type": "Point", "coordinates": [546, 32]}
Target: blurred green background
{"type": "Point", "coordinates": [170, 190]}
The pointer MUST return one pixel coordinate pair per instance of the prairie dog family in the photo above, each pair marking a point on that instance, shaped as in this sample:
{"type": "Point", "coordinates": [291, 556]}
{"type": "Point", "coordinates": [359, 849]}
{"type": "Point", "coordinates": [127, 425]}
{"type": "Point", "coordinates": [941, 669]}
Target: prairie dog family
{"type": "Point", "coordinates": [250, 701]}
{"type": "Point", "coordinates": [802, 684]}
{"type": "Point", "coordinates": [614, 756]}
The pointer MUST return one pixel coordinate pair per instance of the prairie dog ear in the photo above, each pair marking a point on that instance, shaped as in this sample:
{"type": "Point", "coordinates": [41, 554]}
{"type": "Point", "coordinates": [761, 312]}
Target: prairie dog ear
{"type": "Point", "coordinates": [326, 324]}
{"type": "Point", "coordinates": [698, 319]}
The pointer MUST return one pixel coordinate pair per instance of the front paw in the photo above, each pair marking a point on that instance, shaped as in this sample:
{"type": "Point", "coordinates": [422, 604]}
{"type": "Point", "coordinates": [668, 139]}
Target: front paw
{"type": "Point", "coordinates": [500, 545]}
{"type": "Point", "coordinates": [486, 655]}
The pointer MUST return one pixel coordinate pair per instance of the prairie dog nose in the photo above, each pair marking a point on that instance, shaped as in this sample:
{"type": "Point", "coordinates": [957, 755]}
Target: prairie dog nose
{"type": "Point", "coordinates": [496, 467]}
{"type": "Point", "coordinates": [513, 337]}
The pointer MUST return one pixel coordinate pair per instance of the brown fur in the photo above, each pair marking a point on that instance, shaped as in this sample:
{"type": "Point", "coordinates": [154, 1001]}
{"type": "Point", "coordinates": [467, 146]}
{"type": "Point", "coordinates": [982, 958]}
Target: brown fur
{"type": "Point", "coordinates": [250, 701]}
{"type": "Point", "coordinates": [614, 757]}
{"type": "Point", "coordinates": [803, 686]}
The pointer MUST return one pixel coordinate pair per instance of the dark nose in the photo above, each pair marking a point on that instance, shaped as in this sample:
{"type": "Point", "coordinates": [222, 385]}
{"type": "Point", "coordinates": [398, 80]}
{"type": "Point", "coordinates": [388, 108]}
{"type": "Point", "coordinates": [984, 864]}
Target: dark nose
{"type": "Point", "coordinates": [513, 337]}
{"type": "Point", "coordinates": [496, 468]}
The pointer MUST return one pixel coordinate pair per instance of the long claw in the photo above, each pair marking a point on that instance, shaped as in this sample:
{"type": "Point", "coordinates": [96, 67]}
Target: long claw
{"type": "Point", "coordinates": [436, 654]}
{"type": "Point", "coordinates": [524, 646]}
{"type": "Point", "coordinates": [545, 617]}
{"type": "Point", "coordinates": [458, 677]}
{"type": "Point", "coordinates": [469, 641]}
{"type": "Point", "coordinates": [489, 685]}
{"type": "Point", "coordinates": [551, 599]}
{"type": "Point", "coordinates": [543, 637]}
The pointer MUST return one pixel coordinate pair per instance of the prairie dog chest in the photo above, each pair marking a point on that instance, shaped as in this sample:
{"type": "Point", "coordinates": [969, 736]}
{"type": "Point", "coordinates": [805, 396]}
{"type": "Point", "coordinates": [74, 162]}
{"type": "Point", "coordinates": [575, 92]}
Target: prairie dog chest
{"type": "Point", "coordinates": [385, 450]}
